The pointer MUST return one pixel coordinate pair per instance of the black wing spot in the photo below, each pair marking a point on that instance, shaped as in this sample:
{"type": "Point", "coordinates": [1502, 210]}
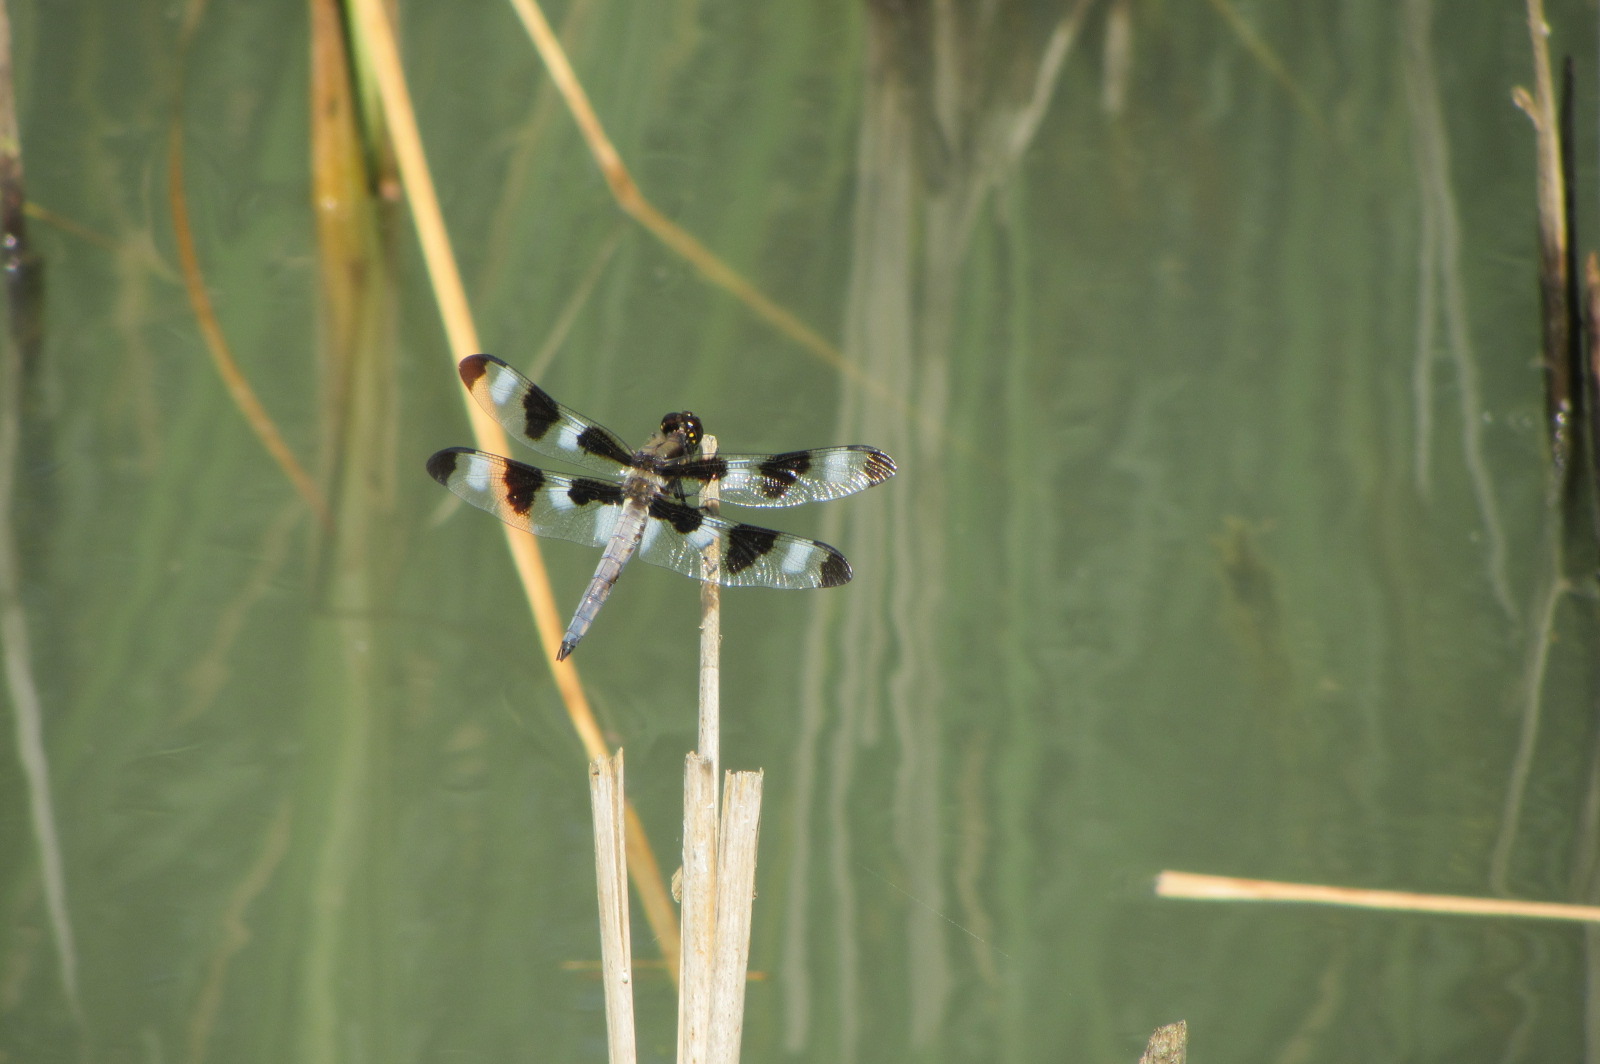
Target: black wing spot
{"type": "Point", "coordinates": [684, 519]}
{"type": "Point", "coordinates": [585, 490]}
{"type": "Point", "coordinates": [539, 412]}
{"type": "Point", "coordinates": [441, 464]}
{"type": "Point", "coordinates": [747, 545]}
{"type": "Point", "coordinates": [598, 441]}
{"type": "Point", "coordinates": [781, 471]}
{"type": "Point", "coordinates": [521, 484]}
{"type": "Point", "coordinates": [702, 469]}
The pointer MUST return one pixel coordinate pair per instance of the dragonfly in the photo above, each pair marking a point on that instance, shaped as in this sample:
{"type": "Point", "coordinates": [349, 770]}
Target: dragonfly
{"type": "Point", "coordinates": [641, 507]}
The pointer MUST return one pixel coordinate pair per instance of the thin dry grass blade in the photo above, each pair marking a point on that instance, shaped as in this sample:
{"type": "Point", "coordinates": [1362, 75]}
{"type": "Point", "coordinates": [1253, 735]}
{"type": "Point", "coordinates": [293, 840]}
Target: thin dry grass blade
{"type": "Point", "coordinates": [233, 378]}
{"type": "Point", "coordinates": [371, 24]}
{"type": "Point", "coordinates": [236, 934]}
{"type": "Point", "coordinates": [77, 229]}
{"type": "Point", "coordinates": [1269, 60]}
{"type": "Point", "coordinates": [575, 304]}
{"type": "Point", "coordinates": [633, 202]}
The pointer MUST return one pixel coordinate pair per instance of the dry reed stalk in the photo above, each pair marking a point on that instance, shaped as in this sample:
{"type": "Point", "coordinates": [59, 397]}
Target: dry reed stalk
{"type": "Point", "coordinates": [1555, 275]}
{"type": "Point", "coordinates": [710, 742]}
{"type": "Point", "coordinates": [1591, 393]}
{"type": "Point", "coordinates": [371, 23]}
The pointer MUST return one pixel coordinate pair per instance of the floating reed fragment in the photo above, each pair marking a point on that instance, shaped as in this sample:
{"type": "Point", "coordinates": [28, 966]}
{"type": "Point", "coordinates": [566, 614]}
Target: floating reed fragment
{"type": "Point", "coordinates": [1199, 887]}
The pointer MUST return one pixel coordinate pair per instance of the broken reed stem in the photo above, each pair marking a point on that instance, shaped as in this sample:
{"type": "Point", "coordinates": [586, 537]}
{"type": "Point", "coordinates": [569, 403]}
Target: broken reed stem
{"type": "Point", "coordinates": [611, 874]}
{"type": "Point", "coordinates": [1195, 886]}
{"type": "Point", "coordinates": [1169, 1044]}
{"type": "Point", "coordinates": [736, 891]}
{"type": "Point", "coordinates": [711, 633]}
{"type": "Point", "coordinates": [719, 866]}
{"type": "Point", "coordinates": [697, 913]}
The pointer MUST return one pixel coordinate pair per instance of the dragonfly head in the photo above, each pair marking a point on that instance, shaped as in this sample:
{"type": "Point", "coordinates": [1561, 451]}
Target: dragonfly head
{"type": "Point", "coordinates": [684, 429]}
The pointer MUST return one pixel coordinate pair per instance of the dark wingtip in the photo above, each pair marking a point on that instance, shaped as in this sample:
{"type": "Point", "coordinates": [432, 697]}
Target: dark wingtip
{"type": "Point", "coordinates": [835, 570]}
{"type": "Point", "coordinates": [473, 367]}
{"type": "Point", "coordinates": [880, 467]}
{"type": "Point", "coordinates": [443, 463]}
